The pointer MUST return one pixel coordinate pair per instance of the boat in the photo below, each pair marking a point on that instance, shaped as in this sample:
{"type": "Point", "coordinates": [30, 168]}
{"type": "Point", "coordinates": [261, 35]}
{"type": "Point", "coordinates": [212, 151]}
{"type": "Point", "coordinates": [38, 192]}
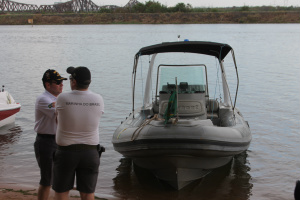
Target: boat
{"type": "Point", "coordinates": [8, 108]}
{"type": "Point", "coordinates": [179, 132]}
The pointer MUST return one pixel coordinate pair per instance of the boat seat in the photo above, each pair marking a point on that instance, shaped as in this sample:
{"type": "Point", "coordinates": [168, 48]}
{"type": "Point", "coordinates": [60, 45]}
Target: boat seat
{"type": "Point", "coordinates": [212, 109]}
{"type": "Point", "coordinates": [197, 88]}
{"type": "Point", "coordinates": [168, 88]}
{"type": "Point", "coordinates": [155, 107]}
{"type": "Point", "coordinates": [184, 87]}
{"type": "Point", "coordinates": [189, 105]}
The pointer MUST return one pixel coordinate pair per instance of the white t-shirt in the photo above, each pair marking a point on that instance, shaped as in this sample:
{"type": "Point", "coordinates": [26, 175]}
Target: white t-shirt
{"type": "Point", "coordinates": [45, 114]}
{"type": "Point", "coordinates": [78, 117]}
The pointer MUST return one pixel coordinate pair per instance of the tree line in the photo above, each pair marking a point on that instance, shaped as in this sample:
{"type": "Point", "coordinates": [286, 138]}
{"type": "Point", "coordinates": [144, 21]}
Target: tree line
{"type": "Point", "coordinates": [157, 7]}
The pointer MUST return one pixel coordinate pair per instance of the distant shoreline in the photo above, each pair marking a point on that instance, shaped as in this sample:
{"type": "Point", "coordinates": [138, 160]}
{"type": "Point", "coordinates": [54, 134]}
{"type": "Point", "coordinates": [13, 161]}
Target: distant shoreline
{"type": "Point", "coordinates": [152, 18]}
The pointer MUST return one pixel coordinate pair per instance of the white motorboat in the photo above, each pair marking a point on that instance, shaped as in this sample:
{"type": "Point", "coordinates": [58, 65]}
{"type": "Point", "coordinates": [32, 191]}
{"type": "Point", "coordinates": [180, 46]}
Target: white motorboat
{"type": "Point", "coordinates": [8, 108]}
{"type": "Point", "coordinates": [180, 133]}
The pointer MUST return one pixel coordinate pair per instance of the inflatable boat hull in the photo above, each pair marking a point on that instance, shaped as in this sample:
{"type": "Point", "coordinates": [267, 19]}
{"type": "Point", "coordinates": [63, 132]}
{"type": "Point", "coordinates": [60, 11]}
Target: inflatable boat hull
{"type": "Point", "coordinates": [181, 153]}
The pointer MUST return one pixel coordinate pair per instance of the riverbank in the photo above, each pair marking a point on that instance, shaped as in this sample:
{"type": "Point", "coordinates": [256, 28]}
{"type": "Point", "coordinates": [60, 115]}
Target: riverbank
{"type": "Point", "coordinates": [20, 192]}
{"type": "Point", "coordinates": [153, 18]}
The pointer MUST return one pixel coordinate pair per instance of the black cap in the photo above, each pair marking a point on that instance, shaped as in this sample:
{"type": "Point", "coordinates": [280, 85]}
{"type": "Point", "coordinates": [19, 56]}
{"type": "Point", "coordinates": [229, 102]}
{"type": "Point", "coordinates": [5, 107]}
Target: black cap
{"type": "Point", "coordinates": [81, 74]}
{"type": "Point", "coordinates": [52, 74]}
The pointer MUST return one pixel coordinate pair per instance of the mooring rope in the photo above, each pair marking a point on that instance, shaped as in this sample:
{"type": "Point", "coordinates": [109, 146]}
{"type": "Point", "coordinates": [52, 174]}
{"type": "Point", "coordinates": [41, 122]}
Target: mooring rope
{"type": "Point", "coordinates": [145, 123]}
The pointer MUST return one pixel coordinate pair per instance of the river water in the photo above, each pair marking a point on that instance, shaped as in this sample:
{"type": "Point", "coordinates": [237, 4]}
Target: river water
{"type": "Point", "coordinates": [268, 62]}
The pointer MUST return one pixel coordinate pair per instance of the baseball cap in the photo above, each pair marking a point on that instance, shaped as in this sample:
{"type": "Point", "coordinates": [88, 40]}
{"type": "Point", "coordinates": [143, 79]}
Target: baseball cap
{"type": "Point", "coordinates": [81, 74]}
{"type": "Point", "coordinates": [52, 74]}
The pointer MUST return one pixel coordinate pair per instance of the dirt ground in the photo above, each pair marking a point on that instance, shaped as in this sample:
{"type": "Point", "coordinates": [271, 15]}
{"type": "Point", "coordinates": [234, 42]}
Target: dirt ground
{"type": "Point", "coordinates": [15, 192]}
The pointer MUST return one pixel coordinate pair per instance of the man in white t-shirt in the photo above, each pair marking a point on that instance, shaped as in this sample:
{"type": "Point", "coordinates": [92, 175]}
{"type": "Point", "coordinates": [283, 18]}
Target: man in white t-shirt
{"type": "Point", "coordinates": [78, 116]}
{"type": "Point", "coordinates": [45, 127]}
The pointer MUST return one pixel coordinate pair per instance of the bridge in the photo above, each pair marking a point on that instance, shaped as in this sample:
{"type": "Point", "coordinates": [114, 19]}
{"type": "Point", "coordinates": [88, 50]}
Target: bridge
{"type": "Point", "coordinates": [69, 6]}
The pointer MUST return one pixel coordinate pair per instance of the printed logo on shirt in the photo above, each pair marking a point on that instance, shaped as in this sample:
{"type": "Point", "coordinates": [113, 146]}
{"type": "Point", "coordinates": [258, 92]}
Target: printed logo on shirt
{"type": "Point", "coordinates": [50, 105]}
{"type": "Point", "coordinates": [82, 104]}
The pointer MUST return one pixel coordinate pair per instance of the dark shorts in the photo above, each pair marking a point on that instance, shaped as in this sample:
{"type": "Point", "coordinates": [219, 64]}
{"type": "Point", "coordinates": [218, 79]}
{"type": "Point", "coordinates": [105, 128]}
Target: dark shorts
{"type": "Point", "coordinates": [82, 163]}
{"type": "Point", "coordinates": [44, 148]}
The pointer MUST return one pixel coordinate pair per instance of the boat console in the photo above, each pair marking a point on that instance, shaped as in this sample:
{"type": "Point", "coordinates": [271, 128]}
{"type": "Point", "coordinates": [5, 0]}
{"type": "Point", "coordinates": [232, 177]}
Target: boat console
{"type": "Point", "coordinates": [189, 104]}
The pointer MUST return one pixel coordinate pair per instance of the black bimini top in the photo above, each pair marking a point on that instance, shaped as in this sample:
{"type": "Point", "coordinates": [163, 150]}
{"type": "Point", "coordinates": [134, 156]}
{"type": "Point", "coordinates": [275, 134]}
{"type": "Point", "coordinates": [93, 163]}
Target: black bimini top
{"type": "Point", "coordinates": [218, 50]}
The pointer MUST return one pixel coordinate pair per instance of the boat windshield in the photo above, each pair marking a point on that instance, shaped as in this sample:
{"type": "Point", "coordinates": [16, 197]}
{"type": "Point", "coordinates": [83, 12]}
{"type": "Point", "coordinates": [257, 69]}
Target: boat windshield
{"type": "Point", "coordinates": [190, 78]}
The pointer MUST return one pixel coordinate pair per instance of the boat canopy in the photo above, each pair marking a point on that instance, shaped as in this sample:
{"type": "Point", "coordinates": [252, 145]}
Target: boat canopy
{"type": "Point", "coordinates": [218, 50]}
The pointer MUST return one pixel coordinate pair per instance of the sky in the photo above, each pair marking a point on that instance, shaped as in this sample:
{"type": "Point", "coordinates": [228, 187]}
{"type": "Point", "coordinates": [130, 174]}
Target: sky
{"type": "Point", "coordinates": [194, 3]}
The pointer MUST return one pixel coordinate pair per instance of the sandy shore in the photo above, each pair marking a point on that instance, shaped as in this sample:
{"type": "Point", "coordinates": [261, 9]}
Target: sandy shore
{"type": "Point", "coordinates": [13, 191]}
{"type": "Point", "coordinates": [18, 192]}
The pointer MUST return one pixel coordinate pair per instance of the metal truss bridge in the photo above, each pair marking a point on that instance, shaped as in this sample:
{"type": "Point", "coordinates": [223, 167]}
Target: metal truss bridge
{"type": "Point", "coordinates": [69, 6]}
